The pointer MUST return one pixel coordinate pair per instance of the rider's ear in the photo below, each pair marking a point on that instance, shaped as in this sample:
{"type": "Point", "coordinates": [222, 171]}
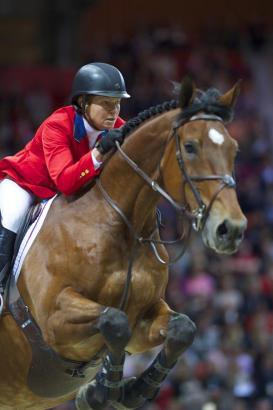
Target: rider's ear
{"type": "Point", "coordinates": [187, 92]}
{"type": "Point", "coordinates": [230, 97]}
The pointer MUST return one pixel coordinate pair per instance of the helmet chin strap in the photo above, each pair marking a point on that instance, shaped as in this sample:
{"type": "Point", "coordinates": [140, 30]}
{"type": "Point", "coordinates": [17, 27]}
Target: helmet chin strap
{"type": "Point", "coordinates": [82, 106]}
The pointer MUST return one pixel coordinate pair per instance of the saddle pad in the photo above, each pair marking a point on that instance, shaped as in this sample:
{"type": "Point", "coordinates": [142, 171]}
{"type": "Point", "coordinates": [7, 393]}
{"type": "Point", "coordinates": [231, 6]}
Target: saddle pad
{"type": "Point", "coordinates": [30, 236]}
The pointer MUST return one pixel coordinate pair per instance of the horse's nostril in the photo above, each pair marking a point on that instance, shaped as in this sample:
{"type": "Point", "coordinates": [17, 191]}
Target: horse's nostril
{"type": "Point", "coordinates": [230, 230]}
{"type": "Point", "coordinates": [222, 230]}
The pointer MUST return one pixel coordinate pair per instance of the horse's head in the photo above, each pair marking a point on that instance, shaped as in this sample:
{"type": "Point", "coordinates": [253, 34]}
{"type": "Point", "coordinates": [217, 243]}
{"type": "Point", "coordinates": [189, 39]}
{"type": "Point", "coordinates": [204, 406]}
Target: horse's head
{"type": "Point", "coordinates": [203, 174]}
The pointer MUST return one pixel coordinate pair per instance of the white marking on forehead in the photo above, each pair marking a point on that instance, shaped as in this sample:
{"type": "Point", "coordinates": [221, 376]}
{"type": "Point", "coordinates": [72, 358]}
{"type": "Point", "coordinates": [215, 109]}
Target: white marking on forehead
{"type": "Point", "coordinates": [216, 136]}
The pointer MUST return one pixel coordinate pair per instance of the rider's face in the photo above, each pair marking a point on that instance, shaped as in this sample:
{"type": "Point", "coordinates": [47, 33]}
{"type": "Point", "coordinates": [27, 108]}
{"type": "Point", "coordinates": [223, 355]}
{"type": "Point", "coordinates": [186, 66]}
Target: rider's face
{"type": "Point", "coordinates": [102, 111]}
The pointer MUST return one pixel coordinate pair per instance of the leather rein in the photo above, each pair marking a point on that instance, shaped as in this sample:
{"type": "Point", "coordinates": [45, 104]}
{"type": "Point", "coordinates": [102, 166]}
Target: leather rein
{"type": "Point", "coordinates": [197, 217]}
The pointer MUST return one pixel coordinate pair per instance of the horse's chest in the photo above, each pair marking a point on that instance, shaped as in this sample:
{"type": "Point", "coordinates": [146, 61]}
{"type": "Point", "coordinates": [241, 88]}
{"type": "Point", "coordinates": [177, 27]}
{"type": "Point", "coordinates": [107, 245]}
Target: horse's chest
{"type": "Point", "coordinates": [145, 286]}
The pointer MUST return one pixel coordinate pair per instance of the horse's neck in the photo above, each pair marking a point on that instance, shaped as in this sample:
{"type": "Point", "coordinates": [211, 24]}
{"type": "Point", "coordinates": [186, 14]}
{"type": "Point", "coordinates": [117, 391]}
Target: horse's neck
{"type": "Point", "coordinates": [145, 146]}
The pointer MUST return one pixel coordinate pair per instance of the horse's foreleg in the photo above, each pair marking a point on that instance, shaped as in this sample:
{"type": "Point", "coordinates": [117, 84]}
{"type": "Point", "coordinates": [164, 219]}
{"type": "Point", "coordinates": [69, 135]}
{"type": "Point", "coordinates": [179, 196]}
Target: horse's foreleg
{"type": "Point", "coordinates": [178, 331]}
{"type": "Point", "coordinates": [76, 319]}
{"type": "Point", "coordinates": [151, 329]}
{"type": "Point", "coordinates": [73, 323]}
{"type": "Point", "coordinates": [113, 325]}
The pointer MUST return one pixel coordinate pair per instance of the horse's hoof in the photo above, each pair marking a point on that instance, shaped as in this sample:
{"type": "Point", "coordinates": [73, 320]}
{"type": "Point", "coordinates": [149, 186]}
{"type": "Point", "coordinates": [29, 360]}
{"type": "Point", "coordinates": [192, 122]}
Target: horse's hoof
{"type": "Point", "coordinates": [114, 326]}
{"type": "Point", "coordinates": [181, 332]}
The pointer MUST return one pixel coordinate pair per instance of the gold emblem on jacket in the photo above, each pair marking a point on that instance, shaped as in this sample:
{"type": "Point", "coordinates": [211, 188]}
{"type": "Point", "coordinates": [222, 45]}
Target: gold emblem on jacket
{"type": "Point", "coordinates": [83, 173]}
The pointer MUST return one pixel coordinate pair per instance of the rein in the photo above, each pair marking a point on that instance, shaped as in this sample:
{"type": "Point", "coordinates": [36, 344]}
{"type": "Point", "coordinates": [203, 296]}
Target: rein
{"type": "Point", "coordinates": [181, 209]}
{"type": "Point", "coordinates": [140, 240]}
{"type": "Point", "coordinates": [198, 216]}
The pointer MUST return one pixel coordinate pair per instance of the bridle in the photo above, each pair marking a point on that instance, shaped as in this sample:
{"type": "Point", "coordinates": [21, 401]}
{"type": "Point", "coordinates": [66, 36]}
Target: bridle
{"type": "Point", "coordinates": [197, 217]}
{"type": "Point", "coordinates": [201, 213]}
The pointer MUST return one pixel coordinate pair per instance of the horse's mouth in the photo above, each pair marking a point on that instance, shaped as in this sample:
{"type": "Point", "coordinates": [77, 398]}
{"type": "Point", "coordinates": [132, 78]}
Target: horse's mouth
{"type": "Point", "coordinates": [224, 237]}
{"type": "Point", "coordinates": [227, 248]}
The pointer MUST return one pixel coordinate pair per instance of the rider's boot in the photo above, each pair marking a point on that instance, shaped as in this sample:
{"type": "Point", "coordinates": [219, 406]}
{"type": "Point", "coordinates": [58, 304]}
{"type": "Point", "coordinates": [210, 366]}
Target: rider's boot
{"type": "Point", "coordinates": [7, 239]}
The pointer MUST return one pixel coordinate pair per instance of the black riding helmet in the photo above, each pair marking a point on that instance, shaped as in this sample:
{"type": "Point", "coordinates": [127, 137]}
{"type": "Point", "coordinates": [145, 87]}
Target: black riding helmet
{"type": "Point", "coordinates": [98, 79]}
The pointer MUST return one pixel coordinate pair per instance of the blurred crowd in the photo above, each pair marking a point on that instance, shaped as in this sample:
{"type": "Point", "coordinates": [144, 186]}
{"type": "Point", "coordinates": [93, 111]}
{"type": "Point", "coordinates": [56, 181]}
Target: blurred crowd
{"type": "Point", "coordinates": [230, 298]}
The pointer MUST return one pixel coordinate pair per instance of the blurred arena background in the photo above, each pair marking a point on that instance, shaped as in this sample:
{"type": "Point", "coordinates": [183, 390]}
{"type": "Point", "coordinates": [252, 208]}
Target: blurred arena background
{"type": "Point", "coordinates": [44, 42]}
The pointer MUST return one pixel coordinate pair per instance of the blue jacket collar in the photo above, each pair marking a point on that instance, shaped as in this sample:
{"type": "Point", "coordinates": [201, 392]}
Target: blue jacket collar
{"type": "Point", "coordinates": [79, 128]}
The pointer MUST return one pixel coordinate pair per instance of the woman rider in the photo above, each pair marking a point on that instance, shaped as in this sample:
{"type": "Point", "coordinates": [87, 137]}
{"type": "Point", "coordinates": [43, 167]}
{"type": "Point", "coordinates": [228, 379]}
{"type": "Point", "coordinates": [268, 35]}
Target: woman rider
{"type": "Point", "coordinates": [64, 154]}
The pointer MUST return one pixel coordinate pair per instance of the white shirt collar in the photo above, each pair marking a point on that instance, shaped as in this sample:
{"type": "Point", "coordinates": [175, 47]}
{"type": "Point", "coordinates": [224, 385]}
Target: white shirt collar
{"type": "Point", "coordinates": [92, 134]}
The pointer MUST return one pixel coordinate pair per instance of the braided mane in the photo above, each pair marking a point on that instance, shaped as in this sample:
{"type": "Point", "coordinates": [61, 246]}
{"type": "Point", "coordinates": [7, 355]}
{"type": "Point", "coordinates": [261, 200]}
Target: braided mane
{"type": "Point", "coordinates": [206, 101]}
{"type": "Point", "coordinates": [149, 113]}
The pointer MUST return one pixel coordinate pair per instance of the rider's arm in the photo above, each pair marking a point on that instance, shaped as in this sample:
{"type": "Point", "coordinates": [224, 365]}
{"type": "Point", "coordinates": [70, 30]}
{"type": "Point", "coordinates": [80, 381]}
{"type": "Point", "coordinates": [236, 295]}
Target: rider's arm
{"type": "Point", "coordinates": [67, 174]}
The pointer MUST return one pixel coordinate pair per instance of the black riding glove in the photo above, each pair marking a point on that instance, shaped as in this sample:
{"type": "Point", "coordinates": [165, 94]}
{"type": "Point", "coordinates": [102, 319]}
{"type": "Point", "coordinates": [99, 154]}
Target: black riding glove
{"type": "Point", "coordinates": [108, 140]}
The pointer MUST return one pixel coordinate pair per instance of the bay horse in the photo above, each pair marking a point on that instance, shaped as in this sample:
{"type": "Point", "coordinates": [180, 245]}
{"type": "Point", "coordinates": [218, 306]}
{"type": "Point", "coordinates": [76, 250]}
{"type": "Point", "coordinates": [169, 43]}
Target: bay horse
{"type": "Point", "coordinates": [92, 287]}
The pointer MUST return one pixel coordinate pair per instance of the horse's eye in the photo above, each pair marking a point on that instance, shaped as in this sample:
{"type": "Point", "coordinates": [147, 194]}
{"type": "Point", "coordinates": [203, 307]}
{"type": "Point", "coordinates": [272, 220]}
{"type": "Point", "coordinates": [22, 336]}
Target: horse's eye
{"type": "Point", "coordinates": [190, 148]}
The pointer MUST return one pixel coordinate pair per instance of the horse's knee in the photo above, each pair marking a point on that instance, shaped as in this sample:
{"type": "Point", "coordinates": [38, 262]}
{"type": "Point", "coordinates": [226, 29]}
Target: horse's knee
{"type": "Point", "coordinates": [114, 326]}
{"type": "Point", "coordinates": [181, 331]}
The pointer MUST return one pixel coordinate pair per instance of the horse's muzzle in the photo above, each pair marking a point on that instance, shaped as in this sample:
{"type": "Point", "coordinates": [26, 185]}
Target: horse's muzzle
{"type": "Point", "coordinates": [229, 234]}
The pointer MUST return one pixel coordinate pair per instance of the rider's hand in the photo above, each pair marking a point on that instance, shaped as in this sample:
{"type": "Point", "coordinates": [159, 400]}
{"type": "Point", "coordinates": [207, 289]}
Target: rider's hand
{"type": "Point", "coordinates": [108, 140]}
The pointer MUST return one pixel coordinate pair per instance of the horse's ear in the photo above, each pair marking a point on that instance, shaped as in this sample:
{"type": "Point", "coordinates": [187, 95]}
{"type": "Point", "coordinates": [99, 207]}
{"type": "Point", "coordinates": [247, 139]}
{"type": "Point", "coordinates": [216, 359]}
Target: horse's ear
{"type": "Point", "coordinates": [229, 98]}
{"type": "Point", "coordinates": [187, 92]}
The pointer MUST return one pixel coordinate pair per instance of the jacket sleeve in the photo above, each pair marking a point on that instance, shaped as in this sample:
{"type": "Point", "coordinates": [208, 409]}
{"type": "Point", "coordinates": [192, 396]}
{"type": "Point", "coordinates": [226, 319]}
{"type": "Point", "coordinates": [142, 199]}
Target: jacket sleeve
{"type": "Point", "coordinates": [119, 122]}
{"type": "Point", "coordinates": [67, 174]}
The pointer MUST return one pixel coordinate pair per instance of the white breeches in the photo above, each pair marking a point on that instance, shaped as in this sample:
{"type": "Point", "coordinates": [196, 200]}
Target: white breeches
{"type": "Point", "coordinates": [14, 204]}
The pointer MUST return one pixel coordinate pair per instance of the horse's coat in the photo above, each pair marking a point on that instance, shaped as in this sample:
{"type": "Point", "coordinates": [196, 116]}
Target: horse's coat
{"type": "Point", "coordinates": [78, 264]}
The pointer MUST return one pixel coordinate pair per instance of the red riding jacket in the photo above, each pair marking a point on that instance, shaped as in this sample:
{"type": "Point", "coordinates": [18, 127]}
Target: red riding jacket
{"type": "Point", "coordinates": [57, 159]}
